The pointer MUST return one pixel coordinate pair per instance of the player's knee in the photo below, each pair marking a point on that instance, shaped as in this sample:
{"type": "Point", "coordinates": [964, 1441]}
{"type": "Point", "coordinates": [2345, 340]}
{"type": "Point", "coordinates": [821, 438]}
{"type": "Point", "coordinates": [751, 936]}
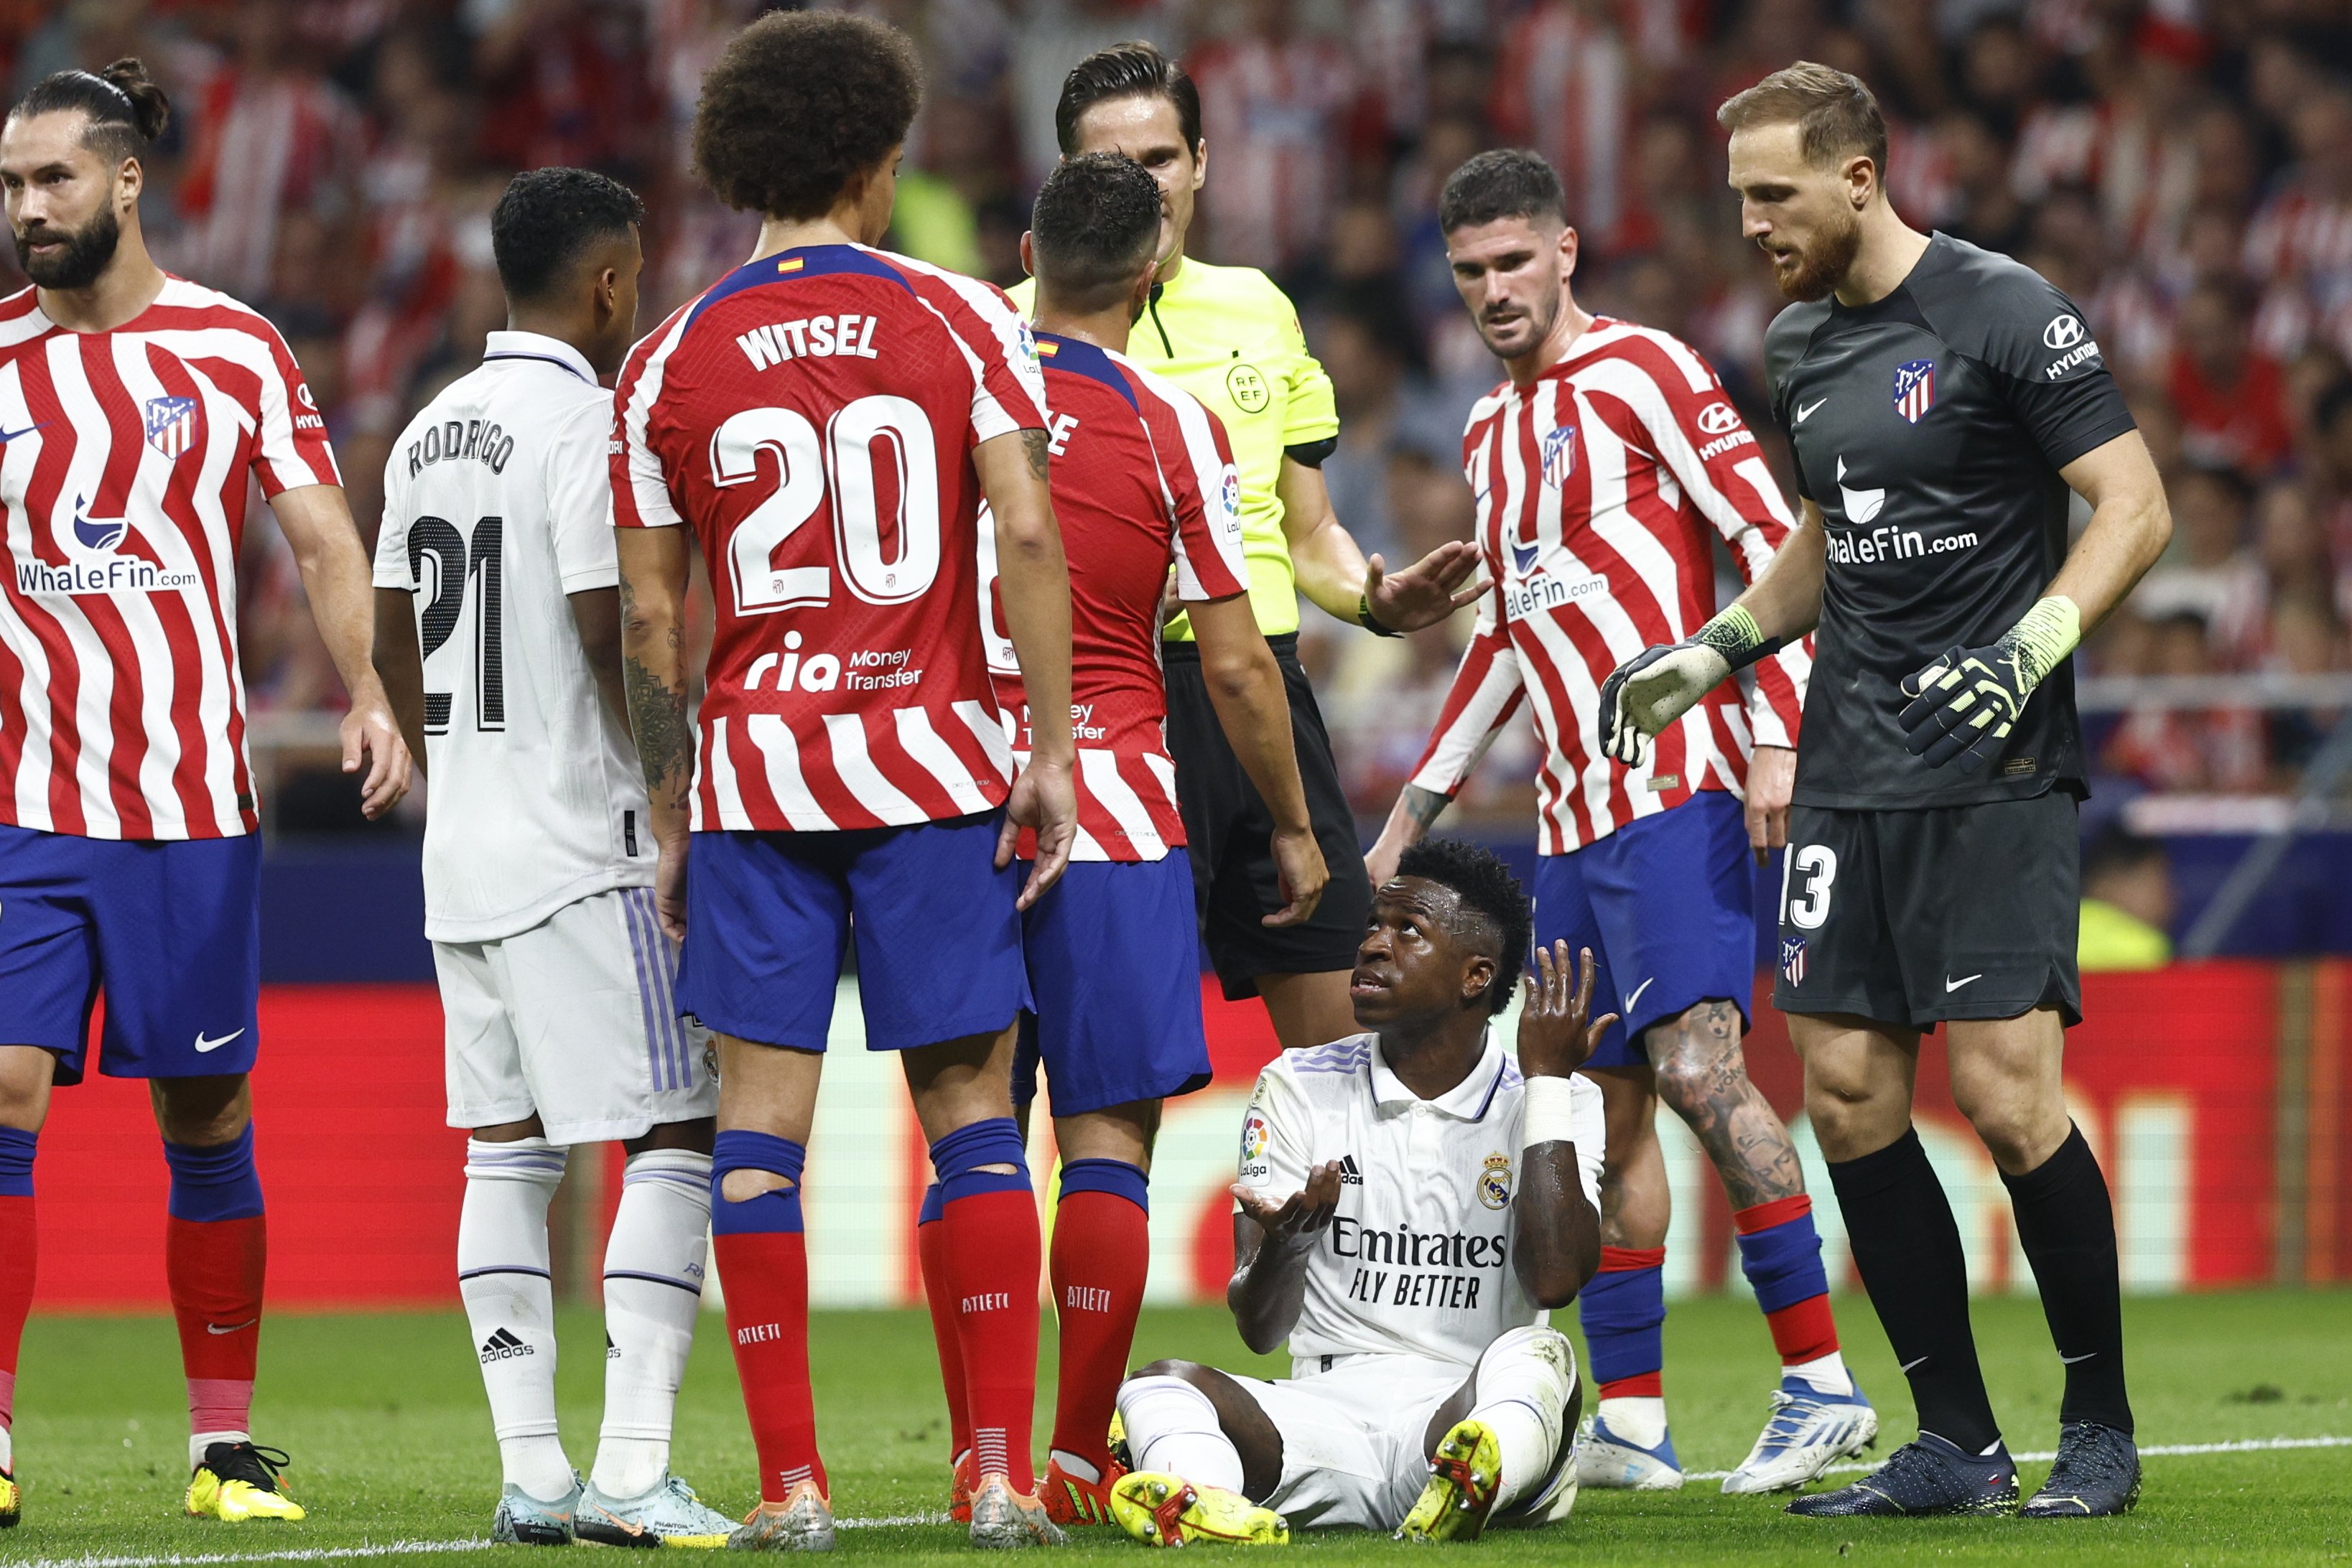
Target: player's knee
{"type": "Point", "coordinates": [1687, 1080]}
{"type": "Point", "coordinates": [1183, 1371]}
{"type": "Point", "coordinates": [743, 1185]}
{"type": "Point", "coordinates": [2017, 1135]}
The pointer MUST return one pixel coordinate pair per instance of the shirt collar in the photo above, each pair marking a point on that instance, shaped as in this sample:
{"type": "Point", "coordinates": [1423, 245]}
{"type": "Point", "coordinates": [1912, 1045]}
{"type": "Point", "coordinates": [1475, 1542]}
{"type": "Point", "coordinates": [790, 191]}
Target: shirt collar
{"type": "Point", "coordinates": [1465, 1102]}
{"type": "Point", "coordinates": [511, 345]}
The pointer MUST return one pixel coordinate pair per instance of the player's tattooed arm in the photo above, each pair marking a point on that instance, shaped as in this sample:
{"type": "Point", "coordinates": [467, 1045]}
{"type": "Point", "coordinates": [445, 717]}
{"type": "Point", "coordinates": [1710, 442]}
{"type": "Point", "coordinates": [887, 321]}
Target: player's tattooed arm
{"type": "Point", "coordinates": [1272, 1246]}
{"type": "Point", "coordinates": [1702, 1075]}
{"type": "Point", "coordinates": [1037, 446]}
{"type": "Point", "coordinates": [654, 568]}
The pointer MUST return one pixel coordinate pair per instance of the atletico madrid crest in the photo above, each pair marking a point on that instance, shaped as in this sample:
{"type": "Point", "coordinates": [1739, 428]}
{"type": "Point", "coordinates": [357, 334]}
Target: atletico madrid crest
{"type": "Point", "coordinates": [171, 424]}
{"type": "Point", "coordinates": [1792, 960]}
{"type": "Point", "coordinates": [1915, 389]}
{"type": "Point", "coordinates": [1559, 455]}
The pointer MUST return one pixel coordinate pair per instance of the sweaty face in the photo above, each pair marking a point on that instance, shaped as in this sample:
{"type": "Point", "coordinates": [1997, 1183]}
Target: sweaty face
{"type": "Point", "coordinates": [1417, 954]}
{"type": "Point", "coordinates": [1146, 128]}
{"type": "Point", "coordinates": [1513, 275]}
{"type": "Point", "coordinates": [1801, 216]}
{"type": "Point", "coordinates": [61, 197]}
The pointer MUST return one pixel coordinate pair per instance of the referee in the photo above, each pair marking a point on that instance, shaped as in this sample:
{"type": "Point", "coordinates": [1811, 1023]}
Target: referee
{"type": "Point", "coordinates": [1229, 337]}
{"type": "Point", "coordinates": [1941, 402]}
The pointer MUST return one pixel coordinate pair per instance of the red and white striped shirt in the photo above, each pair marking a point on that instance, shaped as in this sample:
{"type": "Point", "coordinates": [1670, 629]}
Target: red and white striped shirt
{"type": "Point", "coordinates": [125, 460]}
{"type": "Point", "coordinates": [812, 417]}
{"type": "Point", "coordinates": [1144, 478]}
{"type": "Point", "coordinates": [1595, 487]}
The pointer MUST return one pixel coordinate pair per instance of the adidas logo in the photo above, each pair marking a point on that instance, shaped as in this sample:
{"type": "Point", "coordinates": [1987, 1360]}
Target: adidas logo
{"type": "Point", "coordinates": [1349, 1174]}
{"type": "Point", "coordinates": [503, 1345]}
{"type": "Point", "coordinates": [611, 1351]}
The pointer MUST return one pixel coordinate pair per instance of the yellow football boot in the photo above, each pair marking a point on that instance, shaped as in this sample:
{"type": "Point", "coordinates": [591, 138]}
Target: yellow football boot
{"type": "Point", "coordinates": [1161, 1510]}
{"type": "Point", "coordinates": [1465, 1475]}
{"type": "Point", "coordinates": [11, 1502]}
{"type": "Point", "coordinates": [239, 1482]}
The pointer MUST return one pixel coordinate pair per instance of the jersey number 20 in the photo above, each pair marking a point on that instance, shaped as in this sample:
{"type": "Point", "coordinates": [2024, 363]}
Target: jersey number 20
{"type": "Point", "coordinates": [844, 463]}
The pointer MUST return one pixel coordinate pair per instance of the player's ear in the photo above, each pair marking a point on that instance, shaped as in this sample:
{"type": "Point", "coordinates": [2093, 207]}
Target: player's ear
{"type": "Point", "coordinates": [1028, 253]}
{"type": "Point", "coordinates": [1861, 180]}
{"type": "Point", "coordinates": [1478, 978]}
{"type": "Point", "coordinates": [1569, 245]}
{"type": "Point", "coordinates": [1200, 162]}
{"type": "Point", "coordinates": [129, 179]}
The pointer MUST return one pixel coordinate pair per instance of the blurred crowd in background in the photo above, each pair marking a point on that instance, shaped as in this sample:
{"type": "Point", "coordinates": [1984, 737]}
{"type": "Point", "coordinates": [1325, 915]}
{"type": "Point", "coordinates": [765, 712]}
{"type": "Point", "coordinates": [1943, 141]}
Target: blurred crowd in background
{"type": "Point", "coordinates": [2183, 172]}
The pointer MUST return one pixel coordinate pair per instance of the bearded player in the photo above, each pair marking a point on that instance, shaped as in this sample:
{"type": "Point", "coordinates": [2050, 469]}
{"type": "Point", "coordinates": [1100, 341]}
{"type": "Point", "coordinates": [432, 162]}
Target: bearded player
{"type": "Point", "coordinates": [1944, 406]}
{"type": "Point", "coordinates": [1413, 1200]}
{"type": "Point", "coordinates": [1602, 464]}
{"type": "Point", "coordinates": [137, 408]}
{"type": "Point", "coordinates": [1143, 487]}
{"type": "Point", "coordinates": [824, 423]}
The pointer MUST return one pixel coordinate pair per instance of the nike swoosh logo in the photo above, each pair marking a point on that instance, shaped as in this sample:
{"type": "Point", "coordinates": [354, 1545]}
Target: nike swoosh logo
{"type": "Point", "coordinates": [1907, 1366]}
{"type": "Point", "coordinates": [233, 1328]}
{"type": "Point", "coordinates": [1950, 985]}
{"type": "Point", "coordinates": [1806, 412]}
{"type": "Point", "coordinates": [1633, 998]}
{"type": "Point", "coordinates": [2071, 1360]}
{"type": "Point", "coordinates": [204, 1044]}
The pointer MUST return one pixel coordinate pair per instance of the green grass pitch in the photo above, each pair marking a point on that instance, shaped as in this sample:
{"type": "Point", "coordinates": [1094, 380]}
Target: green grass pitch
{"type": "Point", "coordinates": [383, 1415]}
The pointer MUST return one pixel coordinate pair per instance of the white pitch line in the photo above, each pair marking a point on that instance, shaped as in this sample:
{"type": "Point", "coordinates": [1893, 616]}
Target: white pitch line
{"type": "Point", "coordinates": [430, 1548]}
{"type": "Point", "coordinates": [2157, 1450]}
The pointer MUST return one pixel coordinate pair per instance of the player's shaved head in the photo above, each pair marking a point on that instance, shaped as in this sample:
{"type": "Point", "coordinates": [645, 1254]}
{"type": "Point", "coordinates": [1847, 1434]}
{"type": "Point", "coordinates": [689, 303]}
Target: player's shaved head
{"type": "Point", "coordinates": [800, 104]}
{"type": "Point", "coordinates": [1094, 230]}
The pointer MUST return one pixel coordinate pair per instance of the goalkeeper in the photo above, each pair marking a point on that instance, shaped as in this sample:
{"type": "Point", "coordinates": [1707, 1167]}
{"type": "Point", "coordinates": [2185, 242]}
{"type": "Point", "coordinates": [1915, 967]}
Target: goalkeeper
{"type": "Point", "coordinates": [1940, 402]}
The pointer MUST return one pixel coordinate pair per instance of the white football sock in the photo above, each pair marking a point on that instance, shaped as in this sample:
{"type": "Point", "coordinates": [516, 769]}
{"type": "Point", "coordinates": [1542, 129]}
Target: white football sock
{"type": "Point", "coordinates": [8, 1452]}
{"type": "Point", "coordinates": [1823, 1374]}
{"type": "Point", "coordinates": [509, 1294]}
{"type": "Point", "coordinates": [1171, 1426]}
{"type": "Point", "coordinates": [653, 1291]}
{"type": "Point", "coordinates": [1524, 1380]}
{"type": "Point", "coordinates": [1082, 1468]}
{"type": "Point", "coordinates": [199, 1441]}
{"type": "Point", "coordinates": [1640, 1419]}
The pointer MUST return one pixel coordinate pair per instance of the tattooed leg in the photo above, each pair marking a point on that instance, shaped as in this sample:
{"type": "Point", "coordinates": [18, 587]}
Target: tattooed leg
{"type": "Point", "coordinates": [1702, 1075]}
{"type": "Point", "coordinates": [1635, 1202]}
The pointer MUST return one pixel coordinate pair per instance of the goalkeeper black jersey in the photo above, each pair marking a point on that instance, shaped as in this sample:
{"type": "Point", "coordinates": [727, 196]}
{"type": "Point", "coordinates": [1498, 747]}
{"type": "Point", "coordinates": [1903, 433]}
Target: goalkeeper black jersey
{"type": "Point", "coordinates": [1929, 427]}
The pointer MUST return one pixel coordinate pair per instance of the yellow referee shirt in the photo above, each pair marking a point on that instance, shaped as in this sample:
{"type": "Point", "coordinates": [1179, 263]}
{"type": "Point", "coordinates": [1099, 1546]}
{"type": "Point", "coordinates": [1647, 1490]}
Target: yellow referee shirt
{"type": "Point", "coordinates": [1229, 337]}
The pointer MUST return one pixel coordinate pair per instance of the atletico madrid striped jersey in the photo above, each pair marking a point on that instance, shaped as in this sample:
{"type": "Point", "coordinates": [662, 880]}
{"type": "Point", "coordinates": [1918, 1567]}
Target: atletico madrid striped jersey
{"type": "Point", "coordinates": [1144, 478]}
{"type": "Point", "coordinates": [125, 458]}
{"type": "Point", "coordinates": [812, 417]}
{"type": "Point", "coordinates": [1596, 487]}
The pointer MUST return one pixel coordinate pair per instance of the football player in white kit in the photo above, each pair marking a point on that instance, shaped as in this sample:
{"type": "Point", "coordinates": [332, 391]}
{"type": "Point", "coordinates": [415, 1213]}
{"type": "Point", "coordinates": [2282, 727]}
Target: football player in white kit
{"type": "Point", "coordinates": [498, 636]}
{"type": "Point", "coordinates": [1413, 1202]}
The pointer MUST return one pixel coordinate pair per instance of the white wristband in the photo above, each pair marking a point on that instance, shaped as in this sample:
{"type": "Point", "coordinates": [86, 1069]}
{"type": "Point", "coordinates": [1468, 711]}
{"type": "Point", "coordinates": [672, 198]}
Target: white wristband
{"type": "Point", "coordinates": [1546, 1115]}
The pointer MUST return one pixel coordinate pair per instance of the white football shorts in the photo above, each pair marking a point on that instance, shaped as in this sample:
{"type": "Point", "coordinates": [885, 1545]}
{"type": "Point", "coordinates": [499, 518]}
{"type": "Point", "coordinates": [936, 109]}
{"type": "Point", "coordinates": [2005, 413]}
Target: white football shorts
{"type": "Point", "coordinates": [1353, 1453]}
{"type": "Point", "coordinates": [574, 1019]}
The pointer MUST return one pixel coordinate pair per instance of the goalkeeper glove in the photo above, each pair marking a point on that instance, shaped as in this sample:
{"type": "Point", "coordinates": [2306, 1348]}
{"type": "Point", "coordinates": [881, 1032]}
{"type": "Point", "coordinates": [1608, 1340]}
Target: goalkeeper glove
{"type": "Point", "coordinates": [1660, 684]}
{"type": "Point", "coordinates": [1966, 703]}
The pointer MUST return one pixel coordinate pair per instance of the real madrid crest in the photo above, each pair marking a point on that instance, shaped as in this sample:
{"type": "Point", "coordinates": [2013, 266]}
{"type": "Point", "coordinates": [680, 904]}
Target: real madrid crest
{"type": "Point", "coordinates": [1494, 1181]}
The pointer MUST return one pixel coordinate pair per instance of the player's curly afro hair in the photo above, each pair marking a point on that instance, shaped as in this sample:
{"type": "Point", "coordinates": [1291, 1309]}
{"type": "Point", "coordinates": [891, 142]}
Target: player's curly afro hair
{"type": "Point", "coordinates": [800, 104]}
{"type": "Point", "coordinates": [1485, 886]}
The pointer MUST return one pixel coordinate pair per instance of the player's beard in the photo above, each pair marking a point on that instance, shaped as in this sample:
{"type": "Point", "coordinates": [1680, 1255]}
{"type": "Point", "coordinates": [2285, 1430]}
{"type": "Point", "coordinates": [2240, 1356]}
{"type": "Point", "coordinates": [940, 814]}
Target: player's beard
{"type": "Point", "coordinates": [1541, 315]}
{"type": "Point", "coordinates": [1822, 265]}
{"type": "Point", "coordinates": [88, 252]}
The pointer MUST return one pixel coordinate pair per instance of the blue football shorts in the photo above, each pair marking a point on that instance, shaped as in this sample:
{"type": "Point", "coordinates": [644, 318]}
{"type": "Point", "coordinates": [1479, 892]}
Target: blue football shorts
{"type": "Point", "coordinates": [169, 931]}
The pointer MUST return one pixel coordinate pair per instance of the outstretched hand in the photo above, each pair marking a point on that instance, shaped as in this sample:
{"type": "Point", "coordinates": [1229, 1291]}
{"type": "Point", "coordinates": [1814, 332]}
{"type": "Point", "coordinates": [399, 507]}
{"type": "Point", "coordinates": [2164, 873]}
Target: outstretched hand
{"type": "Point", "coordinates": [1425, 593]}
{"type": "Point", "coordinates": [1557, 1031]}
{"type": "Point", "coordinates": [1302, 1215]}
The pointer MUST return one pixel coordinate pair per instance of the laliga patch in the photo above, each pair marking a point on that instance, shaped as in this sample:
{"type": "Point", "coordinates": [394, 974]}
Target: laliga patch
{"type": "Point", "coordinates": [1915, 389]}
{"type": "Point", "coordinates": [1253, 1138]}
{"type": "Point", "coordinates": [1494, 1181]}
{"type": "Point", "coordinates": [1559, 456]}
{"type": "Point", "coordinates": [1792, 960]}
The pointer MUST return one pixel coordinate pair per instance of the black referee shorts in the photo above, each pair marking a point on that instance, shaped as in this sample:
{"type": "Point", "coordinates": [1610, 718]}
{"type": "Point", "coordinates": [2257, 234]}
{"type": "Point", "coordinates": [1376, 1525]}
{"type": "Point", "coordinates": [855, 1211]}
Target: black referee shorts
{"type": "Point", "coordinates": [1231, 835]}
{"type": "Point", "coordinates": [1914, 919]}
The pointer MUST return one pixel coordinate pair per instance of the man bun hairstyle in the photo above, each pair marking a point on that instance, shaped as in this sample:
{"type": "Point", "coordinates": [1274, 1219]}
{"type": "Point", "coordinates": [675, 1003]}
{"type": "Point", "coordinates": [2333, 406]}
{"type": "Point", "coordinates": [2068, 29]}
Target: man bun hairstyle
{"type": "Point", "coordinates": [799, 104]}
{"type": "Point", "coordinates": [1485, 886]}
{"type": "Point", "coordinates": [126, 110]}
{"type": "Point", "coordinates": [1134, 69]}
{"type": "Point", "coordinates": [1095, 226]}
{"type": "Point", "coordinates": [1508, 182]}
{"type": "Point", "coordinates": [1835, 115]}
{"type": "Point", "coordinates": [547, 219]}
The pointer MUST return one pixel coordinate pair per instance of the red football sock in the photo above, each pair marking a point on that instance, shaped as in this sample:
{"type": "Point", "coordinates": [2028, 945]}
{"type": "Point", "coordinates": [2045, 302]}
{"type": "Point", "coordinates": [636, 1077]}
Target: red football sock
{"type": "Point", "coordinates": [17, 1257]}
{"type": "Point", "coordinates": [1102, 1252]}
{"type": "Point", "coordinates": [930, 1249]}
{"type": "Point", "coordinates": [992, 1252]}
{"type": "Point", "coordinates": [216, 1268]}
{"type": "Point", "coordinates": [765, 1274]}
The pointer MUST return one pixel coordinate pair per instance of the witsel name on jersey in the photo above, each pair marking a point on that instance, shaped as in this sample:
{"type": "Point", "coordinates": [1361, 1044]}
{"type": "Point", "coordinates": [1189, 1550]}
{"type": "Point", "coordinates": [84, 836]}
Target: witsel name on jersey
{"type": "Point", "coordinates": [809, 336]}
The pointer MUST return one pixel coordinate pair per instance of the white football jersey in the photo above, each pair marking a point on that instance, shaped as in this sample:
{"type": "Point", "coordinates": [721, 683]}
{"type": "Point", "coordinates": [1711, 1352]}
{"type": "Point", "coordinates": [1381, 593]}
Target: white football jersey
{"type": "Point", "coordinates": [497, 504]}
{"type": "Point", "coordinates": [1417, 1259]}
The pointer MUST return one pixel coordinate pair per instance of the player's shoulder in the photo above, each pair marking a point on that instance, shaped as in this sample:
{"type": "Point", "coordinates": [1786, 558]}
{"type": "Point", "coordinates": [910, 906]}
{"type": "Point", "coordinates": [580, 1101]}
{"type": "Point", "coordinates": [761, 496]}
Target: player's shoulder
{"type": "Point", "coordinates": [1239, 294]}
{"type": "Point", "coordinates": [1996, 309]}
{"type": "Point", "coordinates": [1331, 1070]}
{"type": "Point", "coordinates": [928, 280]}
{"type": "Point", "coordinates": [221, 310]}
{"type": "Point", "coordinates": [1788, 336]}
{"type": "Point", "coordinates": [1160, 398]}
{"type": "Point", "coordinates": [1663, 357]}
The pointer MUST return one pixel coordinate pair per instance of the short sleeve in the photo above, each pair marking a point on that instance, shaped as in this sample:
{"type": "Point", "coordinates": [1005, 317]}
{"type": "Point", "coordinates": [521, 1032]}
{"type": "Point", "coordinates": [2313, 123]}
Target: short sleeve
{"type": "Point", "coordinates": [1310, 413]}
{"type": "Point", "coordinates": [637, 488]}
{"type": "Point", "coordinates": [292, 450]}
{"type": "Point", "coordinates": [579, 500]}
{"type": "Point", "coordinates": [392, 567]}
{"type": "Point", "coordinates": [2056, 381]}
{"type": "Point", "coordinates": [1008, 390]}
{"type": "Point", "coordinates": [1204, 489]}
{"type": "Point", "coordinates": [1276, 1138]}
